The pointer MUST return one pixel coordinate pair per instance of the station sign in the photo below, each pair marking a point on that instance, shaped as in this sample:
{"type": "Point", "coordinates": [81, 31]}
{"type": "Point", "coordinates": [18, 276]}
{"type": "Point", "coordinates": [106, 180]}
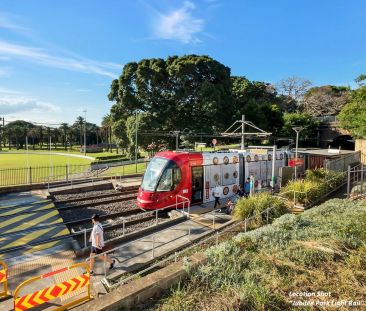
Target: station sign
{"type": "Point", "coordinates": [295, 162]}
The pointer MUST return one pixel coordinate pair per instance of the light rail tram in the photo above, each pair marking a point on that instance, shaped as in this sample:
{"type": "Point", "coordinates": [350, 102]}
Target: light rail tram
{"type": "Point", "coordinates": [193, 175]}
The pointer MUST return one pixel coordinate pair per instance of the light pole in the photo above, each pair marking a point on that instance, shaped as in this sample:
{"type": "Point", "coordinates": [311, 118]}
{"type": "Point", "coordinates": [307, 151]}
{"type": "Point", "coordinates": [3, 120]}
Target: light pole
{"type": "Point", "coordinates": [136, 129]}
{"type": "Point", "coordinates": [297, 129]}
{"type": "Point", "coordinates": [176, 134]}
{"type": "Point", "coordinates": [2, 132]}
{"type": "Point", "coordinates": [84, 131]}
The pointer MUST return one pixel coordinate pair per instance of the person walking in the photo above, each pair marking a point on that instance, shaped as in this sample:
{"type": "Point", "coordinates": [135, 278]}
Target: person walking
{"type": "Point", "coordinates": [217, 195]}
{"type": "Point", "coordinates": [247, 187]}
{"type": "Point", "coordinates": [97, 241]}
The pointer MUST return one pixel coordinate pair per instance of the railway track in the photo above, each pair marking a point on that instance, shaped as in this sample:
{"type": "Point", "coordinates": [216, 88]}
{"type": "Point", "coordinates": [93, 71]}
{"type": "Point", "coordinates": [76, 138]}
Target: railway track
{"type": "Point", "coordinates": [60, 206]}
{"type": "Point", "coordinates": [118, 212]}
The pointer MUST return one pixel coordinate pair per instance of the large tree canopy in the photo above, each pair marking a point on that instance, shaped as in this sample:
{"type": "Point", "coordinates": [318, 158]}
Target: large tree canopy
{"type": "Point", "coordinates": [180, 92]}
{"type": "Point", "coordinates": [353, 115]}
{"type": "Point", "coordinates": [327, 100]}
{"type": "Point", "coordinates": [258, 101]}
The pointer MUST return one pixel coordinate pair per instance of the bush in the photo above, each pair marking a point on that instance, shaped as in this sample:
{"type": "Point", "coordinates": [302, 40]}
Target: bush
{"type": "Point", "coordinates": [256, 204]}
{"type": "Point", "coordinates": [321, 249]}
{"type": "Point", "coordinates": [316, 184]}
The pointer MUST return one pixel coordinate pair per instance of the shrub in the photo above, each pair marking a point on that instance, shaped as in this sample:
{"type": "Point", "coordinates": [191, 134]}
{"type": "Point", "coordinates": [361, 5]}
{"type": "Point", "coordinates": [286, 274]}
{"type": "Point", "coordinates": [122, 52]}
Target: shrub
{"type": "Point", "coordinates": [316, 184]}
{"type": "Point", "coordinates": [256, 204]}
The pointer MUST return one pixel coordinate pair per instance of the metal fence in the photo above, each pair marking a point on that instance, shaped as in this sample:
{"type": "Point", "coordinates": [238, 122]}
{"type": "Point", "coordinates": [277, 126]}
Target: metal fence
{"type": "Point", "coordinates": [203, 238]}
{"type": "Point", "coordinates": [356, 181]}
{"type": "Point", "coordinates": [341, 164]}
{"type": "Point", "coordinates": [64, 173]}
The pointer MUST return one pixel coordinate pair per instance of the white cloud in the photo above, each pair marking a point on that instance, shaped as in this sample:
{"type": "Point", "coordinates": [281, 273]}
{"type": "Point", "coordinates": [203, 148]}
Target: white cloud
{"type": "Point", "coordinates": [179, 25]}
{"type": "Point", "coordinates": [10, 104]}
{"type": "Point", "coordinates": [42, 57]}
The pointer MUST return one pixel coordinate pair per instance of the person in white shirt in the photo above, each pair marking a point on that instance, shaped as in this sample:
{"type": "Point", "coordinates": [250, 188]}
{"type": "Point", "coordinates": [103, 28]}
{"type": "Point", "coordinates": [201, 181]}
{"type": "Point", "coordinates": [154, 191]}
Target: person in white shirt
{"type": "Point", "coordinates": [97, 241]}
{"type": "Point", "coordinates": [217, 195]}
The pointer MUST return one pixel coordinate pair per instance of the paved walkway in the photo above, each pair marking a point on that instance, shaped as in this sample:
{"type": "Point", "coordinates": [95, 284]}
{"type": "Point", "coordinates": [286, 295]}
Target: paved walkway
{"type": "Point", "coordinates": [25, 219]}
{"type": "Point", "coordinates": [141, 252]}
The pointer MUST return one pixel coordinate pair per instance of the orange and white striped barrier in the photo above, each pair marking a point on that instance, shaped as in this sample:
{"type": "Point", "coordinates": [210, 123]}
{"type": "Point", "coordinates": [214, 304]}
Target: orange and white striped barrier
{"type": "Point", "coordinates": [4, 279]}
{"type": "Point", "coordinates": [55, 291]}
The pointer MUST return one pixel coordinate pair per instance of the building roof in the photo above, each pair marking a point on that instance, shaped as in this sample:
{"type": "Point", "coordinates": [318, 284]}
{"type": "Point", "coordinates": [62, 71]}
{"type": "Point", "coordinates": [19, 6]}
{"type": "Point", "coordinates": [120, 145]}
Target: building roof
{"type": "Point", "coordinates": [329, 153]}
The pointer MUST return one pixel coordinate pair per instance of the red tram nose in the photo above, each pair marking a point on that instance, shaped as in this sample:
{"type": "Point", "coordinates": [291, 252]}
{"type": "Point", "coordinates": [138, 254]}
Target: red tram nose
{"type": "Point", "coordinates": [145, 199]}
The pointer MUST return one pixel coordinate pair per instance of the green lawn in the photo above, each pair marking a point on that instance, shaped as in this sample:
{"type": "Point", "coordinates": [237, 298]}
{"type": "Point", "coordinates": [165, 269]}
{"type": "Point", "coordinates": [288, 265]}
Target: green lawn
{"type": "Point", "coordinates": [20, 160]}
{"type": "Point", "coordinates": [126, 169]}
{"type": "Point", "coordinates": [44, 168]}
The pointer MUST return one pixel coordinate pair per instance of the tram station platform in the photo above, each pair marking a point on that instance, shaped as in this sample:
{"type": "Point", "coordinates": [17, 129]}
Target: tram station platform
{"type": "Point", "coordinates": [27, 218]}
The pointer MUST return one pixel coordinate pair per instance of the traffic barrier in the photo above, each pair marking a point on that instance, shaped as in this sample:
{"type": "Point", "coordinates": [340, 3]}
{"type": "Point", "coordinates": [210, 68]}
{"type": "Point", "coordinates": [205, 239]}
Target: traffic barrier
{"type": "Point", "coordinates": [56, 291]}
{"type": "Point", "coordinates": [4, 279]}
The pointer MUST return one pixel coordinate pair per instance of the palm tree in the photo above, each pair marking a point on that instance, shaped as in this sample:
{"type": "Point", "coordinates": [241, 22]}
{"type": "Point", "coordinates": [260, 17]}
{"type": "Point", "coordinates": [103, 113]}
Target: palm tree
{"type": "Point", "coordinates": [80, 122]}
{"type": "Point", "coordinates": [64, 128]}
{"type": "Point", "coordinates": [33, 132]}
{"type": "Point", "coordinates": [107, 126]}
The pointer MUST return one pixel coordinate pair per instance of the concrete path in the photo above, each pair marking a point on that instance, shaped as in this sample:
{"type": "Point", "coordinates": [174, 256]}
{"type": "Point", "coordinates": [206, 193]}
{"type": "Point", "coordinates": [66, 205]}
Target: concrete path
{"type": "Point", "coordinates": [139, 253]}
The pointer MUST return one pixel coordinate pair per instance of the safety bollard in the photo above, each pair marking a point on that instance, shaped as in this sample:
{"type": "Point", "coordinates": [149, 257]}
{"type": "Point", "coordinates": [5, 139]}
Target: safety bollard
{"type": "Point", "coordinates": [156, 217]}
{"type": "Point", "coordinates": [4, 279]}
{"type": "Point", "coordinates": [123, 227]}
{"type": "Point", "coordinates": [267, 215]}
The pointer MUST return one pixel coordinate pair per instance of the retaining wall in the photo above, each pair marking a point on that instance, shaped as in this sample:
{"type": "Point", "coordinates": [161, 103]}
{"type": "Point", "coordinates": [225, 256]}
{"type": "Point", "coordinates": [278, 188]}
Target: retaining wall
{"type": "Point", "coordinates": [126, 297]}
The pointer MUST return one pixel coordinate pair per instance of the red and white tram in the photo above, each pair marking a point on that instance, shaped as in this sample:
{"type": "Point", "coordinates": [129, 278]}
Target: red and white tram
{"type": "Point", "coordinates": [194, 175]}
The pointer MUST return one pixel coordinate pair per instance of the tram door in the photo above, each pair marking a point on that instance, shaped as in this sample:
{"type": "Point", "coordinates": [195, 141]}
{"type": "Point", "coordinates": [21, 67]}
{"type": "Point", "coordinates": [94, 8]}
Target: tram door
{"type": "Point", "coordinates": [197, 184]}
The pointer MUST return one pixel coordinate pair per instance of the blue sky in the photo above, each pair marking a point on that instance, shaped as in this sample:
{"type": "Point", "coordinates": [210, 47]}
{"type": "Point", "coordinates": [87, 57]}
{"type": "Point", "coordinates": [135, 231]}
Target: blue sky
{"type": "Point", "coordinates": [58, 58]}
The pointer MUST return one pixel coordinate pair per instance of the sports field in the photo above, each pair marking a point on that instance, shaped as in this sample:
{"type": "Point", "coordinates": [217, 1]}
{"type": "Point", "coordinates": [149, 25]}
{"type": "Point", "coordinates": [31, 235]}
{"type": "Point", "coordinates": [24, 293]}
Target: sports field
{"type": "Point", "coordinates": [33, 160]}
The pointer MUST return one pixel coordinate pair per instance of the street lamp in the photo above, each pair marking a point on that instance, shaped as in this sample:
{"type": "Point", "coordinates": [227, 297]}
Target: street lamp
{"type": "Point", "coordinates": [297, 129]}
{"type": "Point", "coordinates": [84, 131]}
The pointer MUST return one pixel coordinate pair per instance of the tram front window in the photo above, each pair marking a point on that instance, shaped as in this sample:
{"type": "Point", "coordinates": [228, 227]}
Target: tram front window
{"type": "Point", "coordinates": [170, 177]}
{"type": "Point", "coordinates": [153, 173]}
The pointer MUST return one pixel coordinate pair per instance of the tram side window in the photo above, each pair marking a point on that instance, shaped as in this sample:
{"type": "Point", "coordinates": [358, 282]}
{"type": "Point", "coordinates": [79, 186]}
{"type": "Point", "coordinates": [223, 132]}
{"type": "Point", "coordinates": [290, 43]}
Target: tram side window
{"type": "Point", "coordinates": [169, 179]}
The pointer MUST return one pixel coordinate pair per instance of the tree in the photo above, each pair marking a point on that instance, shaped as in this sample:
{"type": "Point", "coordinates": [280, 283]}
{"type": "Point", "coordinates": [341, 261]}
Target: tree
{"type": "Point", "coordinates": [353, 115]}
{"type": "Point", "coordinates": [180, 92]}
{"type": "Point", "coordinates": [64, 128]}
{"type": "Point", "coordinates": [258, 101]}
{"type": "Point", "coordinates": [309, 124]}
{"type": "Point", "coordinates": [80, 122]}
{"type": "Point", "coordinates": [294, 88]}
{"type": "Point", "coordinates": [107, 123]}
{"type": "Point", "coordinates": [360, 79]}
{"type": "Point", "coordinates": [325, 100]}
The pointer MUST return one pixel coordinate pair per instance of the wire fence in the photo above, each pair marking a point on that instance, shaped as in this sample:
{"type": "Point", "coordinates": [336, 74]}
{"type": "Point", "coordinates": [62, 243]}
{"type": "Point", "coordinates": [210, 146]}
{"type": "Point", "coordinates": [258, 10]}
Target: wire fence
{"type": "Point", "coordinates": [65, 173]}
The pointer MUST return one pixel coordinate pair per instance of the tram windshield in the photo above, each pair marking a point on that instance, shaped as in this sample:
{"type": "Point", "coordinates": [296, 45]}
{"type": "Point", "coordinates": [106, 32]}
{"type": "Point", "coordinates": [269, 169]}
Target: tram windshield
{"type": "Point", "coordinates": [153, 173]}
{"type": "Point", "coordinates": [161, 175]}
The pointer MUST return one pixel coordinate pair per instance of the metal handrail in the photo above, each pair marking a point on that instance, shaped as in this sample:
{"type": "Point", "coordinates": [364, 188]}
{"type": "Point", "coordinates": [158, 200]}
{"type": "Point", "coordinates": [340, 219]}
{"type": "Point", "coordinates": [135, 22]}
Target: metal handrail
{"type": "Point", "coordinates": [174, 256]}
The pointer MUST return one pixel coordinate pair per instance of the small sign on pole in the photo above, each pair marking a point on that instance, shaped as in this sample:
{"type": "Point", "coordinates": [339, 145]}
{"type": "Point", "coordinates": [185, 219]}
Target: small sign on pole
{"type": "Point", "coordinates": [214, 142]}
{"type": "Point", "coordinates": [295, 162]}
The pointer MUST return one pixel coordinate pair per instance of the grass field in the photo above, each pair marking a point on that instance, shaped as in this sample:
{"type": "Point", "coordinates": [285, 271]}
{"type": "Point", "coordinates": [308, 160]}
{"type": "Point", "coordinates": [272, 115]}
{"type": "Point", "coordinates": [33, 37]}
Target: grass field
{"type": "Point", "coordinates": [14, 169]}
{"type": "Point", "coordinates": [20, 160]}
